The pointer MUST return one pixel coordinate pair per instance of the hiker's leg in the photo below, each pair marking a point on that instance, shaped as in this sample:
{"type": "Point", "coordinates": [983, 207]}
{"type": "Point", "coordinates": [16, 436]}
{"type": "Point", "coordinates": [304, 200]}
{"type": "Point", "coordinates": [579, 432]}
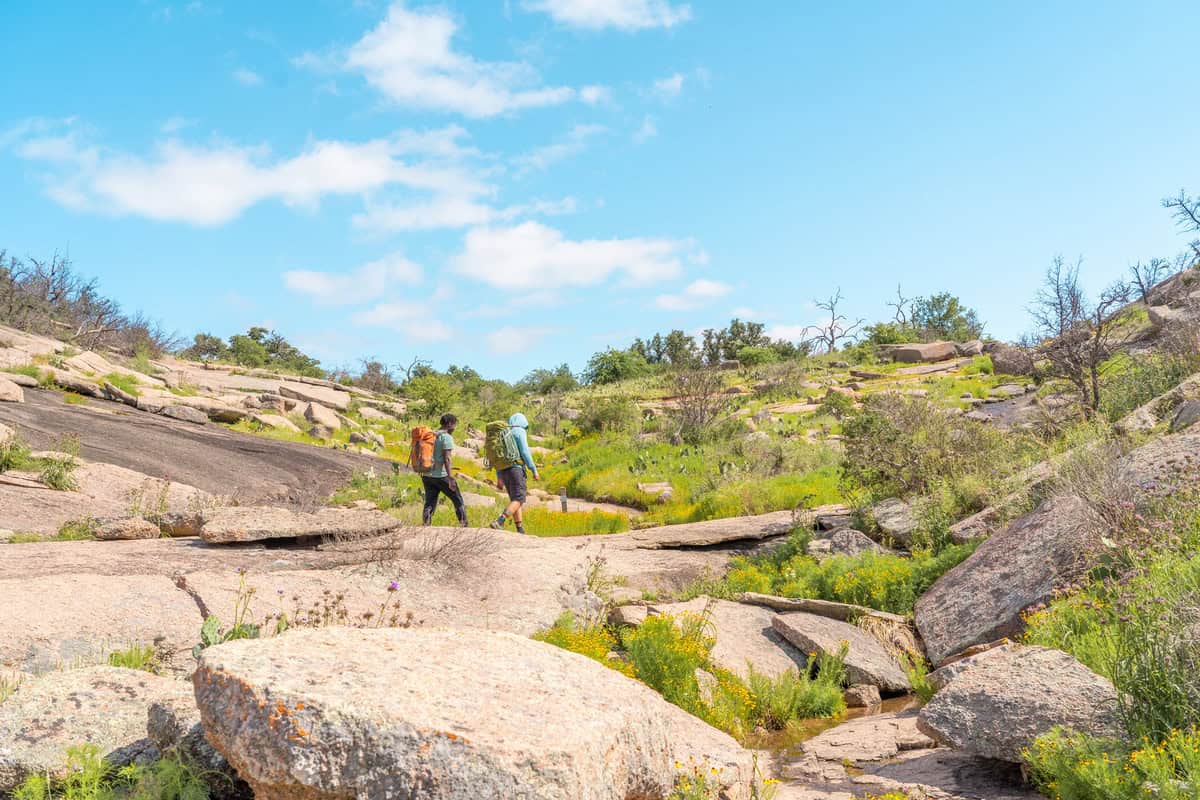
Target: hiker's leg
{"type": "Point", "coordinates": [431, 500]}
{"type": "Point", "coordinates": [456, 498]}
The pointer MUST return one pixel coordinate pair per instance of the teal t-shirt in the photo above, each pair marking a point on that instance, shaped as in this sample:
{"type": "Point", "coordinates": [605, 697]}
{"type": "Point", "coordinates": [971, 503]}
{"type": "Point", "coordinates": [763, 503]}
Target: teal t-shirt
{"type": "Point", "coordinates": [442, 445]}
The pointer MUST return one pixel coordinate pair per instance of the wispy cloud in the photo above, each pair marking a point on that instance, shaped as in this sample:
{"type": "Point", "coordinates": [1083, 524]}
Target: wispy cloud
{"type": "Point", "coordinates": [627, 15]}
{"type": "Point", "coordinates": [646, 131]}
{"type": "Point", "coordinates": [669, 86]}
{"type": "Point", "coordinates": [247, 77]}
{"type": "Point", "coordinates": [541, 158]}
{"type": "Point", "coordinates": [512, 339]}
{"type": "Point", "coordinates": [410, 57]}
{"type": "Point", "coordinates": [212, 184]}
{"type": "Point", "coordinates": [697, 294]}
{"type": "Point", "coordinates": [534, 256]}
{"type": "Point", "coordinates": [413, 319]}
{"type": "Point", "coordinates": [359, 286]}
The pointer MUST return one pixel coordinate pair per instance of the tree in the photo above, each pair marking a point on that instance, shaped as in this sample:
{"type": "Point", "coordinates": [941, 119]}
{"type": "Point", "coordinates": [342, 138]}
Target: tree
{"type": "Point", "coordinates": [375, 377]}
{"type": "Point", "coordinates": [436, 391]}
{"type": "Point", "coordinates": [1074, 336]}
{"type": "Point", "coordinates": [943, 316]}
{"type": "Point", "coordinates": [754, 356]}
{"type": "Point", "coordinates": [1145, 277]}
{"type": "Point", "coordinates": [248, 351]}
{"type": "Point", "coordinates": [610, 366]}
{"type": "Point", "coordinates": [835, 330]}
{"type": "Point", "coordinates": [549, 381]}
{"type": "Point", "coordinates": [700, 401]}
{"type": "Point", "coordinates": [206, 347]}
{"type": "Point", "coordinates": [1186, 210]}
{"type": "Point", "coordinates": [680, 349]}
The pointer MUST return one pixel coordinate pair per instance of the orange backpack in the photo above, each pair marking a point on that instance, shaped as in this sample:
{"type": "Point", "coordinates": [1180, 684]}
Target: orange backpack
{"type": "Point", "coordinates": [420, 455]}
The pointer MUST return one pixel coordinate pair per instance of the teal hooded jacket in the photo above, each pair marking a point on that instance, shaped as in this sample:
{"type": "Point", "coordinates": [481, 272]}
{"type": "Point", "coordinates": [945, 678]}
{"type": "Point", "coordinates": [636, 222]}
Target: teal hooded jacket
{"type": "Point", "coordinates": [520, 429]}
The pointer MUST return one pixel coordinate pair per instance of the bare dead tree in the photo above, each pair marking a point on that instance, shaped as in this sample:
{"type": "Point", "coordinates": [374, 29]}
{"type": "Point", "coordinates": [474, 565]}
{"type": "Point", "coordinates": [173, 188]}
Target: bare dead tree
{"type": "Point", "coordinates": [1146, 276]}
{"type": "Point", "coordinates": [902, 306]}
{"type": "Point", "coordinates": [1186, 210]}
{"type": "Point", "coordinates": [1073, 336]}
{"type": "Point", "coordinates": [699, 401]}
{"type": "Point", "coordinates": [414, 368]}
{"type": "Point", "coordinates": [374, 376]}
{"type": "Point", "coordinates": [836, 329]}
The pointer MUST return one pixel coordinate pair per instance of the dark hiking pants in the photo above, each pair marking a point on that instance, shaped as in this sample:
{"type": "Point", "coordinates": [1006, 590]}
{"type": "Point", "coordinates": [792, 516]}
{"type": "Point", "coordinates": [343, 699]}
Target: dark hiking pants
{"type": "Point", "coordinates": [434, 489]}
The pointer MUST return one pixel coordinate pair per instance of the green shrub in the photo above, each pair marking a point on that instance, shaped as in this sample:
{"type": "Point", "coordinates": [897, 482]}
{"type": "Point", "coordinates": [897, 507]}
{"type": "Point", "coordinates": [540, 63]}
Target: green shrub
{"type": "Point", "coordinates": [136, 656]}
{"type": "Point", "coordinates": [666, 652]}
{"type": "Point", "coordinates": [1130, 382]}
{"type": "Point", "coordinates": [14, 454]}
{"type": "Point", "coordinates": [58, 470]}
{"type": "Point", "coordinates": [595, 642]}
{"type": "Point", "coordinates": [1073, 766]}
{"type": "Point", "coordinates": [89, 777]}
{"type": "Point", "coordinates": [615, 414]}
{"type": "Point", "coordinates": [611, 366]}
{"type": "Point", "coordinates": [757, 356]}
{"type": "Point", "coordinates": [884, 582]}
{"type": "Point", "coordinates": [918, 675]}
{"type": "Point", "coordinates": [126, 383]}
{"type": "Point", "coordinates": [437, 392]}
{"type": "Point", "coordinates": [815, 691]}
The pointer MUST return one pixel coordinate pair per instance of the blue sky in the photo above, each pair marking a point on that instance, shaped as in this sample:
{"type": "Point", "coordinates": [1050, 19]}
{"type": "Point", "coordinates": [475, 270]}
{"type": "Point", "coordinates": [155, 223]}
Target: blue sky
{"type": "Point", "coordinates": [517, 184]}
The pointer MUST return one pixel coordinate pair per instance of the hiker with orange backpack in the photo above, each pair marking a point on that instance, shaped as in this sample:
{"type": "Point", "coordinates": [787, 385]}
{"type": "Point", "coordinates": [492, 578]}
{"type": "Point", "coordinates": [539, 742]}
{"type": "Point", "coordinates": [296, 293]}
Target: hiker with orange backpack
{"type": "Point", "coordinates": [430, 458]}
{"type": "Point", "coordinates": [507, 449]}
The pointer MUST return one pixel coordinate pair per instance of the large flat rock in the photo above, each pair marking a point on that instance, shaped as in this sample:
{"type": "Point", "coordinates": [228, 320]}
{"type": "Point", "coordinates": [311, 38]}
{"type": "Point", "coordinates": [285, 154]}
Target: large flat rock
{"type": "Point", "coordinates": [745, 638]}
{"type": "Point", "coordinates": [1008, 696]}
{"type": "Point", "coordinates": [981, 599]}
{"type": "Point", "coordinates": [333, 713]}
{"type": "Point", "coordinates": [717, 531]}
{"type": "Point", "coordinates": [209, 457]}
{"type": "Point", "coordinates": [258, 523]}
{"type": "Point", "coordinates": [103, 706]}
{"type": "Point", "coordinates": [867, 660]}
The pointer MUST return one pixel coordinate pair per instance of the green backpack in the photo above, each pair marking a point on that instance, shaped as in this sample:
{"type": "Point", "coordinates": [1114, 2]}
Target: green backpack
{"type": "Point", "coordinates": [500, 445]}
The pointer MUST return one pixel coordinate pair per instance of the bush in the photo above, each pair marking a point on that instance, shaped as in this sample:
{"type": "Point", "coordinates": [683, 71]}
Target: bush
{"type": "Point", "coordinates": [595, 642]}
{"type": "Point", "coordinates": [611, 366]}
{"type": "Point", "coordinates": [1131, 382]}
{"type": "Point", "coordinates": [14, 454]}
{"type": "Point", "coordinates": [90, 777]}
{"type": "Point", "coordinates": [815, 691]}
{"type": "Point", "coordinates": [136, 656]}
{"type": "Point", "coordinates": [757, 356]}
{"type": "Point", "coordinates": [882, 582]}
{"type": "Point", "coordinates": [903, 446]}
{"type": "Point", "coordinates": [58, 470]}
{"type": "Point", "coordinates": [437, 392]}
{"type": "Point", "coordinates": [607, 415]}
{"type": "Point", "coordinates": [1073, 766]}
{"type": "Point", "coordinates": [126, 383]}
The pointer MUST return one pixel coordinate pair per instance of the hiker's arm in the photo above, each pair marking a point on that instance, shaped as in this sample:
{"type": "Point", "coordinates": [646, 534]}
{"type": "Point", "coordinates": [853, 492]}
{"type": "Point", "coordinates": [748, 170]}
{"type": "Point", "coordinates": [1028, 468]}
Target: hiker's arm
{"type": "Point", "coordinates": [523, 447]}
{"type": "Point", "coordinates": [446, 460]}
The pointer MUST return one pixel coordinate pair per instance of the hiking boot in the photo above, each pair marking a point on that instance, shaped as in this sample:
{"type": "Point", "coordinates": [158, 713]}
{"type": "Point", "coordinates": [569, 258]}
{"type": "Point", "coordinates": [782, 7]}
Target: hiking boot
{"type": "Point", "coordinates": [520, 529]}
{"type": "Point", "coordinates": [497, 525]}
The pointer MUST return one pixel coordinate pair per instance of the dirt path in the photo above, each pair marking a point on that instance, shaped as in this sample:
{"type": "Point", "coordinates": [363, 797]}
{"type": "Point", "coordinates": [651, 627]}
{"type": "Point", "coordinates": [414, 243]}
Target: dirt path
{"type": "Point", "coordinates": [209, 457]}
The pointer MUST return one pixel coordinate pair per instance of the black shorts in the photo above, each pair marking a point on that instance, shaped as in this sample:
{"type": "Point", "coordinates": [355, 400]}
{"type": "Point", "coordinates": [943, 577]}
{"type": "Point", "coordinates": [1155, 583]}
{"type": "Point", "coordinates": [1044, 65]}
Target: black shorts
{"type": "Point", "coordinates": [513, 479]}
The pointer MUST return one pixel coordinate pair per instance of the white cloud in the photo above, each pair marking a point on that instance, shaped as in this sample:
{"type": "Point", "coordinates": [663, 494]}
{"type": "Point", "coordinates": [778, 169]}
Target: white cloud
{"type": "Point", "coordinates": [410, 58]}
{"type": "Point", "coordinates": [791, 333]}
{"type": "Point", "coordinates": [646, 131]}
{"type": "Point", "coordinates": [415, 320]}
{"type": "Point", "coordinates": [175, 124]}
{"type": "Point", "coordinates": [595, 95]}
{"type": "Point", "coordinates": [669, 86]}
{"type": "Point", "coordinates": [534, 256]}
{"type": "Point", "coordinates": [452, 212]}
{"type": "Point", "coordinates": [513, 339]}
{"type": "Point", "coordinates": [542, 158]}
{"type": "Point", "coordinates": [247, 77]}
{"type": "Point", "coordinates": [628, 15]}
{"type": "Point", "coordinates": [696, 294]}
{"type": "Point", "coordinates": [360, 286]}
{"type": "Point", "coordinates": [212, 184]}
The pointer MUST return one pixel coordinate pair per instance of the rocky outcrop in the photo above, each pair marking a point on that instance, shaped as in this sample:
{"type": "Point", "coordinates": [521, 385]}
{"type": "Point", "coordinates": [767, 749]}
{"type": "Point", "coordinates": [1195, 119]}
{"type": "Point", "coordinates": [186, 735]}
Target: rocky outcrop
{"type": "Point", "coordinates": [275, 421]}
{"type": "Point", "coordinates": [843, 542]}
{"type": "Point", "coordinates": [1005, 698]}
{"type": "Point", "coordinates": [322, 418]}
{"type": "Point", "coordinates": [333, 713]}
{"type": "Point", "coordinates": [981, 599]}
{"type": "Point", "coordinates": [10, 392]}
{"type": "Point", "coordinates": [258, 523]}
{"type": "Point", "coordinates": [895, 520]}
{"type": "Point", "coordinates": [717, 531]}
{"type": "Point", "coordinates": [745, 638]}
{"type": "Point", "coordinates": [1009, 360]}
{"type": "Point", "coordinates": [321, 395]}
{"type": "Point", "coordinates": [104, 706]}
{"type": "Point", "coordinates": [867, 660]}
{"type": "Point", "coordinates": [929, 351]}
{"type": "Point", "coordinates": [128, 528]}
{"type": "Point", "coordinates": [1163, 464]}
{"type": "Point", "coordinates": [1161, 408]}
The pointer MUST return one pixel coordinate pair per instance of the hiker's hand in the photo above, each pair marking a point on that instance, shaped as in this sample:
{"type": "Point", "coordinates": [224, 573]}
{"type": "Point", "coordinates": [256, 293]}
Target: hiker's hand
{"type": "Point", "coordinates": [537, 477]}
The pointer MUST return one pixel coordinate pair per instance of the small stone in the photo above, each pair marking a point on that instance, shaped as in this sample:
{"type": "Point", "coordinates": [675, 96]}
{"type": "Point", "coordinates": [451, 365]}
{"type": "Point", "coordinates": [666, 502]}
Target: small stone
{"type": "Point", "coordinates": [862, 695]}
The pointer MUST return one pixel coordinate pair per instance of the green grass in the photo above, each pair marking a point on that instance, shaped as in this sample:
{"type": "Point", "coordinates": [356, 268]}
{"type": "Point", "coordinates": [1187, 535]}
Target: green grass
{"type": "Point", "coordinates": [1072, 766]}
{"type": "Point", "coordinates": [31, 371]}
{"type": "Point", "coordinates": [74, 399]}
{"type": "Point", "coordinates": [136, 656]}
{"type": "Point", "coordinates": [88, 776]}
{"type": "Point", "coordinates": [883, 582]}
{"type": "Point", "coordinates": [126, 383]}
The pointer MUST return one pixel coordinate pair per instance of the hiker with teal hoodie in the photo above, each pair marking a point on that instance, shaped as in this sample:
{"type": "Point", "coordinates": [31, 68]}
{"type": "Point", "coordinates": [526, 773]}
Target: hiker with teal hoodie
{"type": "Point", "coordinates": [508, 452]}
